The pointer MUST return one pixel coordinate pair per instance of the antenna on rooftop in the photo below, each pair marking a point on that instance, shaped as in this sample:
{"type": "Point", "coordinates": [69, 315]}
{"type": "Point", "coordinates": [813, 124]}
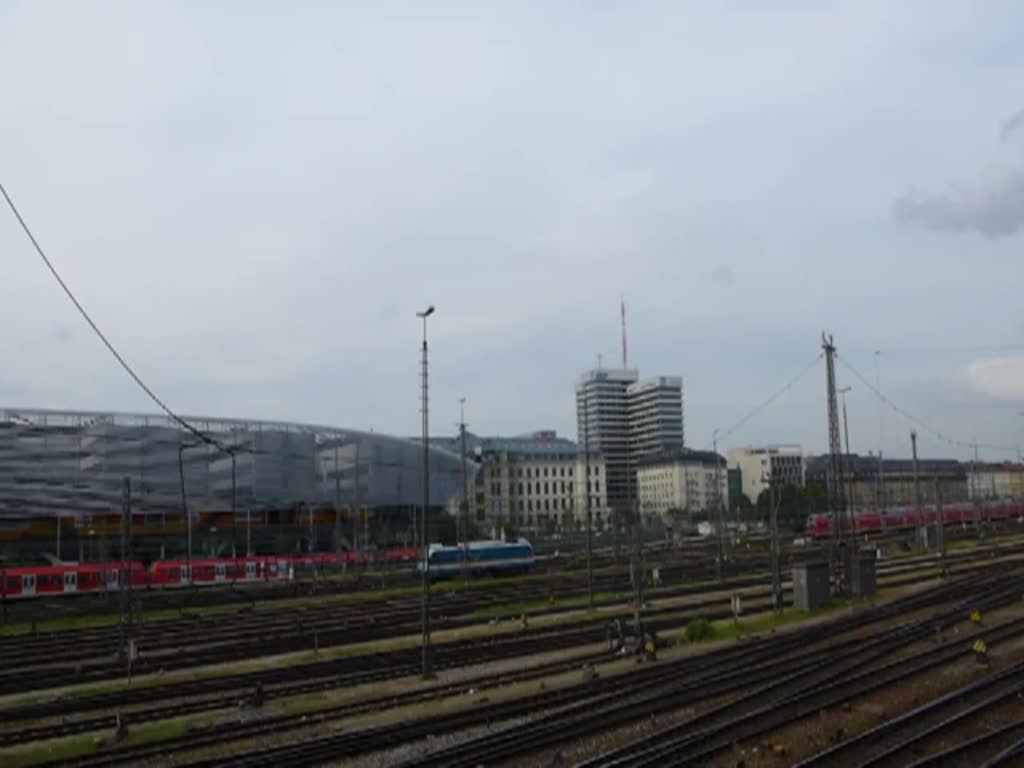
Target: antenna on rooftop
{"type": "Point", "coordinates": [622, 307]}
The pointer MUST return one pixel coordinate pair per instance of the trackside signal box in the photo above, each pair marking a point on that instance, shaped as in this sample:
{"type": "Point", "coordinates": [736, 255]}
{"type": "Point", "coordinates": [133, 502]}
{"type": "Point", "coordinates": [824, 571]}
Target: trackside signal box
{"type": "Point", "coordinates": [811, 588]}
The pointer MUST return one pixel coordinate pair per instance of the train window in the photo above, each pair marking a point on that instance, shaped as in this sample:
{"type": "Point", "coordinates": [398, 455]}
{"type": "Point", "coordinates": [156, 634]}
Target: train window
{"type": "Point", "coordinates": [13, 582]}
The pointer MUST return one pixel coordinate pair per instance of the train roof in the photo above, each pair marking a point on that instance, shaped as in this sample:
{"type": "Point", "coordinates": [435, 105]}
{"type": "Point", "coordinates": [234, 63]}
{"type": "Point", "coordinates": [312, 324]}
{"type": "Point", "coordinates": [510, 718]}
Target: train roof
{"type": "Point", "coordinates": [479, 545]}
{"type": "Point", "coordinates": [56, 570]}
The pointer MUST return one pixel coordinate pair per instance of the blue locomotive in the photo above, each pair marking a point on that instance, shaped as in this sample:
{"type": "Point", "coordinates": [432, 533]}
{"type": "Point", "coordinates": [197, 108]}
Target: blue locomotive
{"type": "Point", "coordinates": [486, 558]}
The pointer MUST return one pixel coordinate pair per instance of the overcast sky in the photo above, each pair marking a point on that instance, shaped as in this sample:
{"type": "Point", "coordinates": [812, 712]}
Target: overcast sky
{"type": "Point", "coordinates": [253, 199]}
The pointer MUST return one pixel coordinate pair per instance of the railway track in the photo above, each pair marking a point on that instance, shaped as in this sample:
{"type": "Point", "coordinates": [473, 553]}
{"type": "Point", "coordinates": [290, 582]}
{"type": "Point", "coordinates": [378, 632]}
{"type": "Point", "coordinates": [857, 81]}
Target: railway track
{"type": "Point", "coordinates": [900, 741]}
{"type": "Point", "coordinates": [359, 621]}
{"type": "Point", "coordinates": [319, 676]}
{"type": "Point", "coordinates": [580, 631]}
{"type": "Point", "coordinates": [792, 690]}
{"type": "Point", "coordinates": [701, 738]}
{"type": "Point", "coordinates": [214, 734]}
{"type": "Point", "coordinates": [730, 668]}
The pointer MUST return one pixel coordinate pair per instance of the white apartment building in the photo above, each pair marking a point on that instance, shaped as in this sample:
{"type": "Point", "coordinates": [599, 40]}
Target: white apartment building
{"type": "Point", "coordinates": [995, 481]}
{"type": "Point", "coordinates": [691, 481]}
{"type": "Point", "coordinates": [760, 466]}
{"type": "Point", "coordinates": [534, 482]}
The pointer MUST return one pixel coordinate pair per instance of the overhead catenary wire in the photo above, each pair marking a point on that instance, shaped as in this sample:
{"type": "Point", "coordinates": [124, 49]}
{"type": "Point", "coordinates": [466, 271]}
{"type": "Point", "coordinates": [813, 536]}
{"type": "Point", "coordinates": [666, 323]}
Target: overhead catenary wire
{"type": "Point", "coordinates": [925, 426]}
{"type": "Point", "coordinates": [725, 434]}
{"type": "Point", "coordinates": [106, 342]}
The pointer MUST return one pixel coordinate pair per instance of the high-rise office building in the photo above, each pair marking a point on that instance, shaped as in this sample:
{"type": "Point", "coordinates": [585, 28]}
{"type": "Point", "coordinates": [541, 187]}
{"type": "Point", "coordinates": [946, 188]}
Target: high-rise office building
{"type": "Point", "coordinates": [655, 410]}
{"type": "Point", "coordinates": [624, 419]}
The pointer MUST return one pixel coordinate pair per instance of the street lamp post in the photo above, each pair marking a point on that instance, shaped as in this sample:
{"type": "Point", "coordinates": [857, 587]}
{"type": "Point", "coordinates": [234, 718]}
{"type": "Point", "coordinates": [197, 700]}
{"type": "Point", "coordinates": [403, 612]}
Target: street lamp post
{"type": "Point", "coordinates": [775, 548]}
{"type": "Point", "coordinates": [234, 492]}
{"type": "Point", "coordinates": [585, 485]}
{"type": "Point", "coordinates": [880, 496]}
{"type": "Point", "coordinates": [847, 462]}
{"type": "Point", "coordinates": [425, 612]}
{"type": "Point", "coordinates": [1019, 486]}
{"type": "Point", "coordinates": [465, 491]}
{"type": "Point", "coordinates": [182, 447]}
{"type": "Point", "coordinates": [337, 509]}
{"type": "Point", "coordinates": [718, 507]}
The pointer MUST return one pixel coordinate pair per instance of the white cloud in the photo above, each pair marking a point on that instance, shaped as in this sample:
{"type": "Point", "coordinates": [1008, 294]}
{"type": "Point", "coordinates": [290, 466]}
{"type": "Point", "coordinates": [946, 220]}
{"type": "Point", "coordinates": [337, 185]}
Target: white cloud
{"type": "Point", "coordinates": [998, 377]}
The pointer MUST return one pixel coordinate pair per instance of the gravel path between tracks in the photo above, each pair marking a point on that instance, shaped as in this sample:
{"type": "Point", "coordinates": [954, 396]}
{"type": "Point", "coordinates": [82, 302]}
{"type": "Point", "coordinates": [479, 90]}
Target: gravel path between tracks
{"type": "Point", "coordinates": [465, 700]}
{"type": "Point", "coordinates": [417, 749]}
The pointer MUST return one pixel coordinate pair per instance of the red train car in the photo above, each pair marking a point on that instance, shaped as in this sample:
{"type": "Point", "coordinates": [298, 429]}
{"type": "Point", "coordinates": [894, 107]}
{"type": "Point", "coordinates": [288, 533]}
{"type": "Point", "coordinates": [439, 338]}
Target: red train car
{"type": "Point", "coordinates": [74, 578]}
{"type": "Point", "coordinates": [403, 555]}
{"type": "Point", "coordinates": [71, 578]}
{"type": "Point", "coordinates": [872, 521]}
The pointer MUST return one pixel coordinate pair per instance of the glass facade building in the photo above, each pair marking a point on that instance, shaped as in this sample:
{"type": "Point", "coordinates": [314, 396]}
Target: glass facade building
{"type": "Point", "coordinates": [73, 463]}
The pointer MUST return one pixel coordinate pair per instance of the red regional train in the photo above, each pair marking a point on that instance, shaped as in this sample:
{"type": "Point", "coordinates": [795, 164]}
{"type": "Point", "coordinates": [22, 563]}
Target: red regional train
{"type": "Point", "coordinates": [872, 521]}
{"type": "Point", "coordinates": [76, 578]}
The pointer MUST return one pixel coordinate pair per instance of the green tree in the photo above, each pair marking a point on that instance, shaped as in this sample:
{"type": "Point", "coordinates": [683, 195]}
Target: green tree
{"type": "Point", "coordinates": [795, 504]}
{"type": "Point", "coordinates": [742, 507]}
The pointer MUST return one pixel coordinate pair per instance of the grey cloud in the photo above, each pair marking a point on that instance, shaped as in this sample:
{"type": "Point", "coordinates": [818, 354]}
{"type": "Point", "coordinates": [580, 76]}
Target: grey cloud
{"type": "Point", "coordinates": [723, 275]}
{"type": "Point", "coordinates": [1012, 127]}
{"type": "Point", "coordinates": [993, 207]}
{"type": "Point", "coordinates": [253, 211]}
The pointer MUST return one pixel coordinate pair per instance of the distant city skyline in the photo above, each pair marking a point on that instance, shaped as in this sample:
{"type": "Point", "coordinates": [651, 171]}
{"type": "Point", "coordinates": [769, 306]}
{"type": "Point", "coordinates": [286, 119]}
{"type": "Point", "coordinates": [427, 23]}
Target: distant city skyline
{"type": "Point", "coordinates": [254, 210]}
